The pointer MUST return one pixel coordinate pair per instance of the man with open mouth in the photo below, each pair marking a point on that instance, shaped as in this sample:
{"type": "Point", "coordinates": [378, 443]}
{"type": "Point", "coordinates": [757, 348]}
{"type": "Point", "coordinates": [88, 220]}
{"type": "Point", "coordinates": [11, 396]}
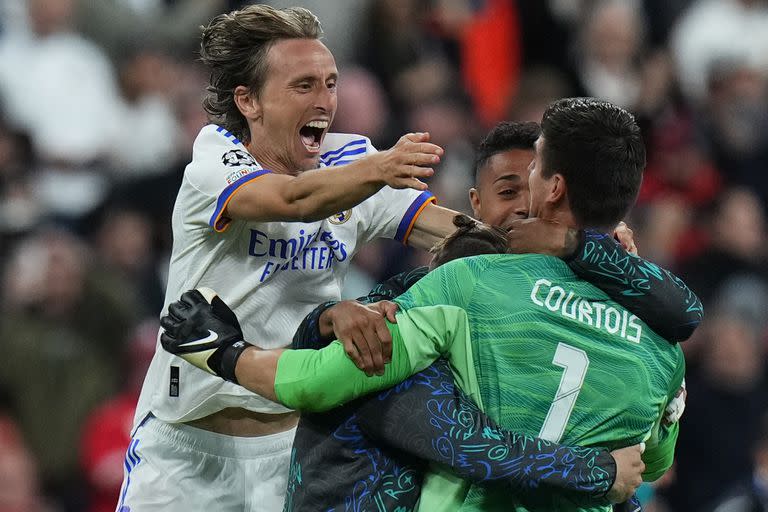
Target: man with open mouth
{"type": "Point", "coordinates": [271, 209]}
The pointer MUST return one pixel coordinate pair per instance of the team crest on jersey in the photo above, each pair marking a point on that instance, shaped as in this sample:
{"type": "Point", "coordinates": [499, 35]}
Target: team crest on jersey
{"type": "Point", "coordinates": [341, 217]}
{"type": "Point", "coordinates": [238, 158]}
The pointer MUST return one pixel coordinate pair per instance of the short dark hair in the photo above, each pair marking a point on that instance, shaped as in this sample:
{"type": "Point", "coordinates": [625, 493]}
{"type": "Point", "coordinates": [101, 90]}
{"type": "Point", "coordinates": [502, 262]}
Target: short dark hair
{"type": "Point", "coordinates": [234, 46]}
{"type": "Point", "coordinates": [599, 150]}
{"type": "Point", "coordinates": [470, 239]}
{"type": "Point", "coordinates": [503, 137]}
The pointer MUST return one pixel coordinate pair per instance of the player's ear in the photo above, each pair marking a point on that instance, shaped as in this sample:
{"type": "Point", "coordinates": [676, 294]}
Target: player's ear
{"type": "Point", "coordinates": [474, 200]}
{"type": "Point", "coordinates": [247, 103]}
{"type": "Point", "coordinates": [557, 189]}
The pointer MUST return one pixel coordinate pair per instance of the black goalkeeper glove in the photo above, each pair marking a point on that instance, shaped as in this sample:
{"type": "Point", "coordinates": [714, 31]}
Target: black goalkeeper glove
{"type": "Point", "coordinates": [201, 329]}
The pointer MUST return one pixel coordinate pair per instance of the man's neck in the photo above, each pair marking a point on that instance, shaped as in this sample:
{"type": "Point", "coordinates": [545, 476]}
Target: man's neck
{"type": "Point", "coordinates": [269, 159]}
{"type": "Point", "coordinates": [566, 218]}
{"type": "Point", "coordinates": [560, 216]}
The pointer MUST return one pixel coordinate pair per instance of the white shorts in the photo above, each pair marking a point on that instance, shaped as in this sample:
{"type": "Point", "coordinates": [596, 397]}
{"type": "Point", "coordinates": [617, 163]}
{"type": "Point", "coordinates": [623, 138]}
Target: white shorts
{"type": "Point", "coordinates": [185, 469]}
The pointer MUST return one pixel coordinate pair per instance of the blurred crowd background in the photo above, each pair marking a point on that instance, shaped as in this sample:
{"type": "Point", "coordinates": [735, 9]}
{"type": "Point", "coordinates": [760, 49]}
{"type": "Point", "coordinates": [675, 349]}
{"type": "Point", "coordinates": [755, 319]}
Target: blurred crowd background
{"type": "Point", "coordinates": [100, 101]}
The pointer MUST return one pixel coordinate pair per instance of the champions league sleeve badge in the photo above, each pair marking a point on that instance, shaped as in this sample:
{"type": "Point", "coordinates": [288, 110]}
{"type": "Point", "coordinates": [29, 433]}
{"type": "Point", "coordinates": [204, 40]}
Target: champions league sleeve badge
{"type": "Point", "coordinates": [341, 217]}
{"type": "Point", "coordinates": [238, 158]}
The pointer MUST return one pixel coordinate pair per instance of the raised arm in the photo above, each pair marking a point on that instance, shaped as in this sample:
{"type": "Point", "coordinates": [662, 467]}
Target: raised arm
{"type": "Point", "coordinates": [319, 193]}
{"type": "Point", "coordinates": [430, 418]}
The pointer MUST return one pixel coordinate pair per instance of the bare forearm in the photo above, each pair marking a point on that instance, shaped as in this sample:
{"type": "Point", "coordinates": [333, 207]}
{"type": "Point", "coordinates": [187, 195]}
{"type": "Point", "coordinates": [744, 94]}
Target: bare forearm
{"type": "Point", "coordinates": [434, 224]}
{"type": "Point", "coordinates": [323, 192]}
{"type": "Point", "coordinates": [256, 370]}
{"type": "Point", "coordinates": [311, 196]}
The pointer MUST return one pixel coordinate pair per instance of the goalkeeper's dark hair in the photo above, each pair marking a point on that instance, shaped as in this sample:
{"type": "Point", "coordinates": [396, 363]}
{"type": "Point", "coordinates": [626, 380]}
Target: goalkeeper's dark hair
{"type": "Point", "coordinates": [234, 46]}
{"type": "Point", "coordinates": [470, 239]}
{"type": "Point", "coordinates": [505, 136]}
{"type": "Point", "coordinates": [598, 148]}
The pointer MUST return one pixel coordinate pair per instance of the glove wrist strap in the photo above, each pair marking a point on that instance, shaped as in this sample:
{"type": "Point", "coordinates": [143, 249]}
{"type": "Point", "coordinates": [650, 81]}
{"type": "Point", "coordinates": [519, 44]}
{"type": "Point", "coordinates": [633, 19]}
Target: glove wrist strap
{"type": "Point", "coordinates": [229, 357]}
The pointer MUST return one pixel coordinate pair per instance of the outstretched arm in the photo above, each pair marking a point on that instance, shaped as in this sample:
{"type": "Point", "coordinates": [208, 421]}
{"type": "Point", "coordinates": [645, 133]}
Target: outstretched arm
{"type": "Point", "coordinates": [201, 329]}
{"type": "Point", "coordinates": [316, 194]}
{"type": "Point", "coordinates": [430, 418]}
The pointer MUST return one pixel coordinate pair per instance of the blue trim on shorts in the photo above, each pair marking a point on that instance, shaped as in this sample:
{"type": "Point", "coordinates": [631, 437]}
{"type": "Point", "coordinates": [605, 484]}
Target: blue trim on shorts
{"type": "Point", "coordinates": [132, 460]}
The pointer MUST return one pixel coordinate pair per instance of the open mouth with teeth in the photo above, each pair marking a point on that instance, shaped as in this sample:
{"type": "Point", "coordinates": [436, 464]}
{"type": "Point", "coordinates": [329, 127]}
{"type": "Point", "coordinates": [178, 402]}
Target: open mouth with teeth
{"type": "Point", "coordinates": [311, 134]}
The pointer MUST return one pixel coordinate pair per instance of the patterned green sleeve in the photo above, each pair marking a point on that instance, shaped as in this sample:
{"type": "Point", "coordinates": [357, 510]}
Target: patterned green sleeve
{"type": "Point", "coordinates": [318, 380]}
{"type": "Point", "coordinates": [450, 284]}
{"type": "Point", "coordinates": [660, 447]}
{"type": "Point", "coordinates": [432, 322]}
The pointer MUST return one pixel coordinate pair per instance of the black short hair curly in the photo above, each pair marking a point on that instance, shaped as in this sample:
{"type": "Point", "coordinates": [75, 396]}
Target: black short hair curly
{"type": "Point", "coordinates": [503, 137]}
{"type": "Point", "coordinates": [598, 148]}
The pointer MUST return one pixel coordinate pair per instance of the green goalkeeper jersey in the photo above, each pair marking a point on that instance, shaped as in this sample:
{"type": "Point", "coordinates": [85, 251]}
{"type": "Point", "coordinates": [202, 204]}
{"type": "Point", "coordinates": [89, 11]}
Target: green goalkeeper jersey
{"type": "Point", "coordinates": [541, 351]}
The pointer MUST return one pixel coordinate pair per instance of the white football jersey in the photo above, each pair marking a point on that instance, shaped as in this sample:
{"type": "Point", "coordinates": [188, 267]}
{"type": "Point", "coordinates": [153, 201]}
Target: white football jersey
{"type": "Point", "coordinates": [272, 274]}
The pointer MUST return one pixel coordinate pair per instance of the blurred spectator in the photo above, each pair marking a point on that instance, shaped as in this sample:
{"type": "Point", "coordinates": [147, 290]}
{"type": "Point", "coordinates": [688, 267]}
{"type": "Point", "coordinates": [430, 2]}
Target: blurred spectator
{"type": "Point", "coordinates": [408, 60]}
{"type": "Point", "coordinates": [341, 26]}
{"type": "Point", "coordinates": [612, 62]}
{"type": "Point", "coordinates": [679, 186]}
{"type": "Point", "coordinates": [124, 244]}
{"type": "Point", "coordinates": [714, 30]}
{"type": "Point", "coordinates": [726, 401]}
{"type": "Point", "coordinates": [736, 121]}
{"type": "Point", "coordinates": [363, 108]}
{"type": "Point", "coordinates": [43, 88]}
{"type": "Point", "coordinates": [19, 210]}
{"type": "Point", "coordinates": [751, 495]}
{"type": "Point", "coordinates": [59, 332]}
{"type": "Point", "coordinates": [70, 119]}
{"type": "Point", "coordinates": [738, 246]}
{"type": "Point", "coordinates": [148, 129]}
{"type": "Point", "coordinates": [677, 167]}
{"type": "Point", "coordinates": [538, 88]}
{"type": "Point", "coordinates": [19, 487]}
{"type": "Point", "coordinates": [446, 121]}
{"type": "Point", "coordinates": [490, 39]}
{"type": "Point", "coordinates": [107, 430]}
{"type": "Point", "coordinates": [172, 24]}
{"type": "Point", "coordinates": [546, 31]}
{"type": "Point", "coordinates": [608, 50]}
{"type": "Point", "coordinates": [664, 230]}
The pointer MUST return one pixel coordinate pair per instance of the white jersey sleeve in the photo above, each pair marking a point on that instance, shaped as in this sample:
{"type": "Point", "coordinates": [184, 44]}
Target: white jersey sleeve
{"type": "Point", "coordinates": [220, 166]}
{"type": "Point", "coordinates": [389, 213]}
